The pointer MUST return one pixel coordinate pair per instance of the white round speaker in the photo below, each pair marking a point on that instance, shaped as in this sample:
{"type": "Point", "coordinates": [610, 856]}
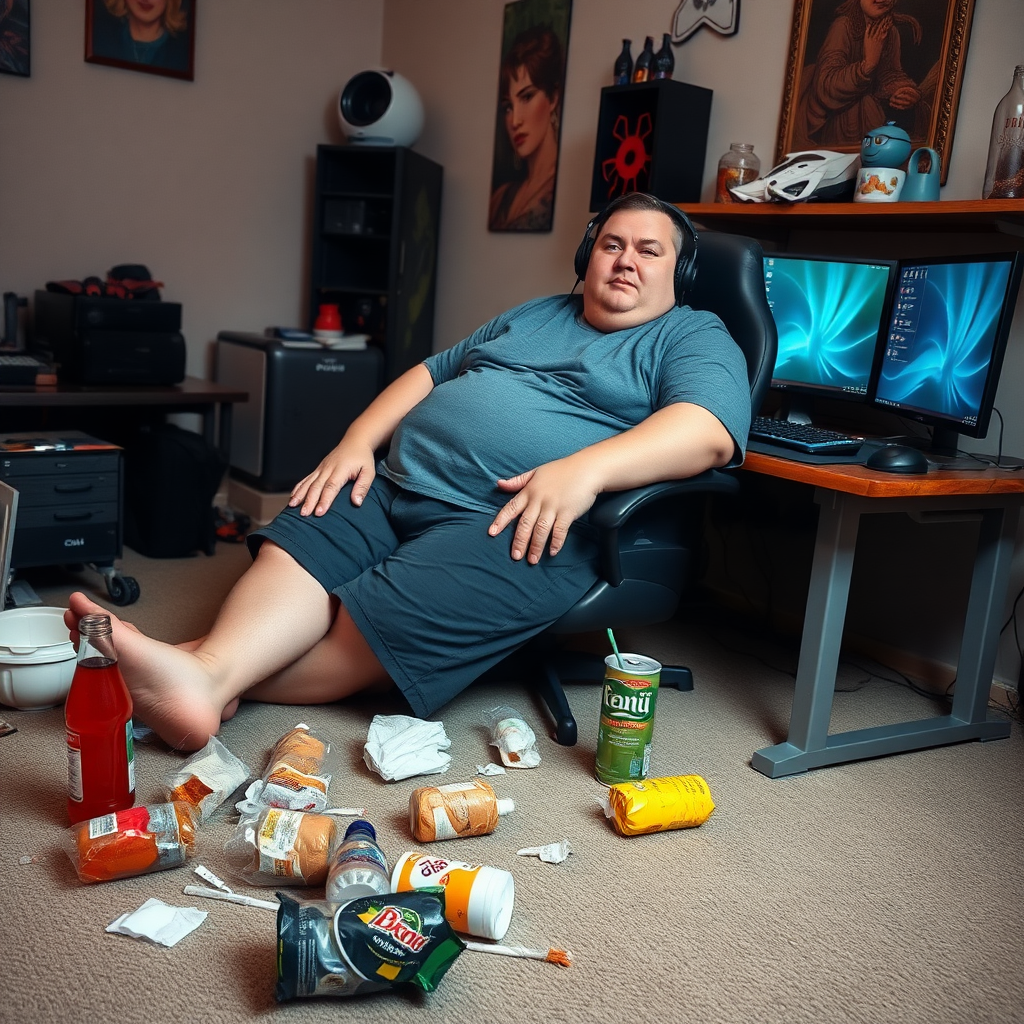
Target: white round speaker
{"type": "Point", "coordinates": [380, 108]}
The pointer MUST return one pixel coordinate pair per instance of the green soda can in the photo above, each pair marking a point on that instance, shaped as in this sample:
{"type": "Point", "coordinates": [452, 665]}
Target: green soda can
{"type": "Point", "coordinates": [627, 718]}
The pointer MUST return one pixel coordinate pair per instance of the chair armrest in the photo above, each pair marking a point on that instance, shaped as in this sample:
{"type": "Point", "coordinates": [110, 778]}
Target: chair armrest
{"type": "Point", "coordinates": [613, 509]}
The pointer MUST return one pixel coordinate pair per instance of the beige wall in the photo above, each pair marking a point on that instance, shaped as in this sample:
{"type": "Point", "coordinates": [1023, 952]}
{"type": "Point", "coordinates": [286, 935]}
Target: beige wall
{"type": "Point", "coordinates": [207, 182]}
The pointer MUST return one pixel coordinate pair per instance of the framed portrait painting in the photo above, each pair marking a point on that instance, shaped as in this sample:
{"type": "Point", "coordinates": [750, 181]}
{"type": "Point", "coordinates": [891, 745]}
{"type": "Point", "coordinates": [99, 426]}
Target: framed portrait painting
{"type": "Point", "coordinates": [154, 36]}
{"type": "Point", "coordinates": [856, 64]}
{"type": "Point", "coordinates": [14, 52]}
{"type": "Point", "coordinates": [527, 134]}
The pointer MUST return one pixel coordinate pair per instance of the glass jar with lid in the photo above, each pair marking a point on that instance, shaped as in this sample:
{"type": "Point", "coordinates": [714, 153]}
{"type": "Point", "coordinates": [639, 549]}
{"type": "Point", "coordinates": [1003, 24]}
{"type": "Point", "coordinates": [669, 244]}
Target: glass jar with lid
{"type": "Point", "coordinates": [737, 167]}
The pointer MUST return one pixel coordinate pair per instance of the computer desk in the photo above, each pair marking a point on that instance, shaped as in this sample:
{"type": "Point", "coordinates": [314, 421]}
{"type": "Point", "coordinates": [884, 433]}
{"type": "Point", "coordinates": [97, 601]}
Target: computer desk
{"type": "Point", "coordinates": [844, 494]}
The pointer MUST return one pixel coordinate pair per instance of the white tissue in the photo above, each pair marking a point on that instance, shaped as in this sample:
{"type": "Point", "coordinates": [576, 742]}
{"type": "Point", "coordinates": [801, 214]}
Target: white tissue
{"type": "Point", "coordinates": [158, 922]}
{"type": "Point", "coordinates": [490, 769]}
{"type": "Point", "coordinates": [398, 747]}
{"type": "Point", "coordinates": [553, 853]}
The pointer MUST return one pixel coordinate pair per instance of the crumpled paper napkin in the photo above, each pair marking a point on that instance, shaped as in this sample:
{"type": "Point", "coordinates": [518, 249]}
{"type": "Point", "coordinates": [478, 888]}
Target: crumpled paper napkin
{"type": "Point", "coordinates": [398, 747]}
{"type": "Point", "coordinates": [158, 922]}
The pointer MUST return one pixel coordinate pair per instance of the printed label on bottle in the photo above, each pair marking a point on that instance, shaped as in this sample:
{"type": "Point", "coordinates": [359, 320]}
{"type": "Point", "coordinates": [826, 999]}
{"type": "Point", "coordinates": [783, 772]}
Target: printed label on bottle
{"type": "Point", "coordinates": [129, 738]}
{"type": "Point", "coordinates": [75, 791]}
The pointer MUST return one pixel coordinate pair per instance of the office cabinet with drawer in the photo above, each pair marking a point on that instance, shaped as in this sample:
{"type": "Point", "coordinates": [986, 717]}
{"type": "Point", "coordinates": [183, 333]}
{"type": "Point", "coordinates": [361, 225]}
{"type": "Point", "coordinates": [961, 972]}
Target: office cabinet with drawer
{"type": "Point", "coordinates": [70, 491]}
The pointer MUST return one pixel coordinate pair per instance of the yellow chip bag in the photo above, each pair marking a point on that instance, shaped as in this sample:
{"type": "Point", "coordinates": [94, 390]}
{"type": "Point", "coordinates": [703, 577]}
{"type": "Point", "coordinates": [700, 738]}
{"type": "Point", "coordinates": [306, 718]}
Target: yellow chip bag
{"type": "Point", "coordinates": [657, 805]}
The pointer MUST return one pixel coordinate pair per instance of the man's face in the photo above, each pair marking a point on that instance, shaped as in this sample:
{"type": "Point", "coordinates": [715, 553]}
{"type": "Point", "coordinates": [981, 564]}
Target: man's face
{"type": "Point", "coordinates": [630, 277]}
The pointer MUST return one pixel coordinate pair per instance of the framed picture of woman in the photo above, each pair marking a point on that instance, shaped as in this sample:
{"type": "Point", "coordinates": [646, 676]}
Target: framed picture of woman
{"type": "Point", "coordinates": [856, 64]}
{"type": "Point", "coordinates": [154, 36]}
{"type": "Point", "coordinates": [531, 84]}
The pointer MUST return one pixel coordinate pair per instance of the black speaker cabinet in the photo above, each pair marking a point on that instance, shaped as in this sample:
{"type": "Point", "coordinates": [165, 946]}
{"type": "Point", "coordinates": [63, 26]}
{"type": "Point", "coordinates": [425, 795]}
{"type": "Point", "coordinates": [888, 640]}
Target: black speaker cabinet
{"type": "Point", "coordinates": [302, 397]}
{"type": "Point", "coordinates": [651, 137]}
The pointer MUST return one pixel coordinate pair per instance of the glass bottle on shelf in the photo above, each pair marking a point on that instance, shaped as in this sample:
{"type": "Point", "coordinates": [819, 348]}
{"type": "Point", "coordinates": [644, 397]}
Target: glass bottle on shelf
{"type": "Point", "coordinates": [737, 167]}
{"type": "Point", "coordinates": [624, 65]}
{"type": "Point", "coordinates": [644, 66]}
{"type": "Point", "coordinates": [664, 60]}
{"type": "Point", "coordinates": [1004, 174]}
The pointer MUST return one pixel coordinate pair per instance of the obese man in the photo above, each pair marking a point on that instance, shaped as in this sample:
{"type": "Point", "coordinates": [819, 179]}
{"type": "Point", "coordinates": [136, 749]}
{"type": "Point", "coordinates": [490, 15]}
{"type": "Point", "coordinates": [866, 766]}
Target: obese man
{"type": "Point", "coordinates": [470, 536]}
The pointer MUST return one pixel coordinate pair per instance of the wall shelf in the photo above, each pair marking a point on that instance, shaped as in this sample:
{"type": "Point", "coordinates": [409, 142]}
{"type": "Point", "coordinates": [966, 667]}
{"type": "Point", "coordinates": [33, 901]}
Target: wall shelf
{"type": "Point", "coordinates": [979, 215]}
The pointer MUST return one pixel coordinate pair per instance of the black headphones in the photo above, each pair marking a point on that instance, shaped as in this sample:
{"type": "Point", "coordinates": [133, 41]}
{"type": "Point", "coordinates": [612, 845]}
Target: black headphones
{"type": "Point", "coordinates": [686, 263]}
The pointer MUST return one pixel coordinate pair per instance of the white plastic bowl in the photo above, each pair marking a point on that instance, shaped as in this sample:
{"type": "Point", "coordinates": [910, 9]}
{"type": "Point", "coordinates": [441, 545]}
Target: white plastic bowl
{"type": "Point", "coordinates": [37, 658]}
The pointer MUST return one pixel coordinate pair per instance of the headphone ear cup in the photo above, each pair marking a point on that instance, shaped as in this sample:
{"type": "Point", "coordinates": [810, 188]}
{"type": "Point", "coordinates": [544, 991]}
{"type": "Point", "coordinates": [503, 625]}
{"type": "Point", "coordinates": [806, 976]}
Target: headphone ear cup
{"type": "Point", "coordinates": [582, 258]}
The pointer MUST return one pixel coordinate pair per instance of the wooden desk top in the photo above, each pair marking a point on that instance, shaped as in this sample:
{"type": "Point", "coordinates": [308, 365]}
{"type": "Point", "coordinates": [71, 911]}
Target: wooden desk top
{"type": "Point", "coordinates": [190, 392]}
{"type": "Point", "coordinates": [870, 483]}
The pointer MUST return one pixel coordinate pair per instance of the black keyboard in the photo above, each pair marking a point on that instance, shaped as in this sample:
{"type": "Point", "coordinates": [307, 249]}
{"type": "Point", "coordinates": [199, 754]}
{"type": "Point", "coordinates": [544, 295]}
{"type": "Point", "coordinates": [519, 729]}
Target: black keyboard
{"type": "Point", "coordinates": [18, 368]}
{"type": "Point", "coordinates": [803, 437]}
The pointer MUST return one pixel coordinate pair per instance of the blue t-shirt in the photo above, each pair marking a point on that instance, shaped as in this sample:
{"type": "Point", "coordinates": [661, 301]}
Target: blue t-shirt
{"type": "Point", "coordinates": [538, 383]}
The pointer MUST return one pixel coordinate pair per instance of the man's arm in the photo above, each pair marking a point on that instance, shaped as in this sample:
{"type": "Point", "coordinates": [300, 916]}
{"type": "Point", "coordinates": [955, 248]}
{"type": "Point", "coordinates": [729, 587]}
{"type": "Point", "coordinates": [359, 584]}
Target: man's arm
{"type": "Point", "coordinates": [353, 458]}
{"type": "Point", "coordinates": [678, 441]}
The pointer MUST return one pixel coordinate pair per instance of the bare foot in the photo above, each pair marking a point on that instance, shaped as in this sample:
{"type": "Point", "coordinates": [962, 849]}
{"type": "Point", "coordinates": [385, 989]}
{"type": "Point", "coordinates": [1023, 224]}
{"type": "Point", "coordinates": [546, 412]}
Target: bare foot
{"type": "Point", "coordinates": [173, 690]}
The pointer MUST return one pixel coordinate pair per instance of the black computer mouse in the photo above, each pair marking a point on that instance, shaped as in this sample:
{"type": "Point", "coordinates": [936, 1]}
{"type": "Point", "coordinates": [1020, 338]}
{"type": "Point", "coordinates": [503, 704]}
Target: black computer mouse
{"type": "Point", "coordinates": [898, 458]}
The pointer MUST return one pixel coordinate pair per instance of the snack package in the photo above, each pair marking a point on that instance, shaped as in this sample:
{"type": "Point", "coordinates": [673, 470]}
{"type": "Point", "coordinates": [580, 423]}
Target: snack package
{"type": "Point", "coordinates": [294, 778]}
{"type": "Point", "coordinates": [515, 740]}
{"type": "Point", "coordinates": [132, 842]}
{"type": "Point", "coordinates": [369, 944]}
{"type": "Point", "coordinates": [207, 778]}
{"type": "Point", "coordinates": [276, 846]}
{"type": "Point", "coordinates": [657, 805]}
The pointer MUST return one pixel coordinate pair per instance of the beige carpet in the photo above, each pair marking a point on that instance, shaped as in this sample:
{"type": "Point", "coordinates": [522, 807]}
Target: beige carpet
{"type": "Point", "coordinates": [886, 890]}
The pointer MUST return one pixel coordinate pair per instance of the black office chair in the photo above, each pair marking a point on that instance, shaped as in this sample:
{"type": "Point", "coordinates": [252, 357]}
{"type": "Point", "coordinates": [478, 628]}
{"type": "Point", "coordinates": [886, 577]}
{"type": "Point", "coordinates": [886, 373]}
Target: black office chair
{"type": "Point", "coordinates": [649, 534]}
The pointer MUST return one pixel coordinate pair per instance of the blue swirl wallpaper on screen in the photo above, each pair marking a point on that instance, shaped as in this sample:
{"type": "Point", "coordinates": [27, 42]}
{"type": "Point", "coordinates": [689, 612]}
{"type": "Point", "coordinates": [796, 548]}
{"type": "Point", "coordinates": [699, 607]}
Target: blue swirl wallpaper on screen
{"type": "Point", "coordinates": [938, 360]}
{"type": "Point", "coordinates": [828, 315]}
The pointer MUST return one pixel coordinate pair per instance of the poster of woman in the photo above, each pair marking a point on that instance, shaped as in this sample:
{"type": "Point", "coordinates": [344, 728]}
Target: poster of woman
{"type": "Point", "coordinates": [14, 53]}
{"type": "Point", "coordinates": [531, 84]}
{"type": "Point", "coordinates": [856, 64]}
{"type": "Point", "coordinates": [155, 36]}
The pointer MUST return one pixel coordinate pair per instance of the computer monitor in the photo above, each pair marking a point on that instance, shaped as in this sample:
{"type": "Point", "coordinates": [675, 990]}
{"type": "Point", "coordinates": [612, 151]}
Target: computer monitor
{"type": "Point", "coordinates": [947, 334]}
{"type": "Point", "coordinates": [831, 313]}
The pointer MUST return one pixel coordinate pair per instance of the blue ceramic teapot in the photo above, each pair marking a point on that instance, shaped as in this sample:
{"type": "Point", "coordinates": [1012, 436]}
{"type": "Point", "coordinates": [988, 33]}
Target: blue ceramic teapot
{"type": "Point", "coordinates": [888, 146]}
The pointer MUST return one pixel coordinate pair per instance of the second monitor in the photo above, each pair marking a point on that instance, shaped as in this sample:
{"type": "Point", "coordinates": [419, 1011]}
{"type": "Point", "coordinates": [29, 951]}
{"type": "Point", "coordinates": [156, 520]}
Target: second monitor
{"type": "Point", "coordinates": [831, 312]}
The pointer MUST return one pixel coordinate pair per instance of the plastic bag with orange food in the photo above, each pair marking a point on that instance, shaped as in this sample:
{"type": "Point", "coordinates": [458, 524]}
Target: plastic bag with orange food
{"type": "Point", "coordinates": [294, 778]}
{"type": "Point", "coordinates": [132, 842]}
{"type": "Point", "coordinates": [207, 778]}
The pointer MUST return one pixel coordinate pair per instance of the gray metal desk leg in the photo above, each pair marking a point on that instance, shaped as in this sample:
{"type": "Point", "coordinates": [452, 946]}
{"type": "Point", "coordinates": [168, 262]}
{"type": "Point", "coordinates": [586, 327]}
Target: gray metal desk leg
{"type": "Point", "coordinates": [979, 647]}
{"type": "Point", "coordinates": [827, 597]}
{"type": "Point", "coordinates": [809, 745]}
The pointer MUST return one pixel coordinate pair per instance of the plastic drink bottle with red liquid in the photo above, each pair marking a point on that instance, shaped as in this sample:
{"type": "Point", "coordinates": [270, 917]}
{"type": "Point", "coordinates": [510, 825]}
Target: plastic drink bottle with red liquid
{"type": "Point", "coordinates": [98, 716]}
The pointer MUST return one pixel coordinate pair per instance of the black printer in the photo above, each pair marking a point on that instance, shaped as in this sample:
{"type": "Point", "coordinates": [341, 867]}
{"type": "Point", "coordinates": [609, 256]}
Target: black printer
{"type": "Point", "coordinates": [101, 340]}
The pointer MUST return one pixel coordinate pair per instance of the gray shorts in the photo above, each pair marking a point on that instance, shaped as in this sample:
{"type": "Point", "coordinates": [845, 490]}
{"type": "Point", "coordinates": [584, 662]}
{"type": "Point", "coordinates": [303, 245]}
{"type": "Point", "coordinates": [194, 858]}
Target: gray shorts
{"type": "Point", "coordinates": [438, 600]}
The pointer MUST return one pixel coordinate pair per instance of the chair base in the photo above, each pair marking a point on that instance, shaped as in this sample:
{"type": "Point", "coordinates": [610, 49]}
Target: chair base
{"type": "Point", "coordinates": [581, 665]}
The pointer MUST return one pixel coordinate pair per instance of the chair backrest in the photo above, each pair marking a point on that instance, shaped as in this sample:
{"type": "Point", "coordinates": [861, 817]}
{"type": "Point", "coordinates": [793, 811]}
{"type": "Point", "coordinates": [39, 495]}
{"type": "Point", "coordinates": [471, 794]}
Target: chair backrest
{"type": "Point", "coordinates": [730, 283]}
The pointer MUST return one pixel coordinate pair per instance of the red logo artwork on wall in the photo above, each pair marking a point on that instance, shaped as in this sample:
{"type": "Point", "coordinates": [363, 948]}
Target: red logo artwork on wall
{"type": "Point", "coordinates": [631, 162]}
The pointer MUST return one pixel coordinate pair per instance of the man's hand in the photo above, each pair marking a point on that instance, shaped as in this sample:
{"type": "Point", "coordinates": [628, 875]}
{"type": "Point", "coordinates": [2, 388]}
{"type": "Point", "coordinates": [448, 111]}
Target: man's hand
{"type": "Point", "coordinates": [904, 97]}
{"type": "Point", "coordinates": [350, 460]}
{"type": "Point", "coordinates": [875, 33]}
{"type": "Point", "coordinates": [547, 501]}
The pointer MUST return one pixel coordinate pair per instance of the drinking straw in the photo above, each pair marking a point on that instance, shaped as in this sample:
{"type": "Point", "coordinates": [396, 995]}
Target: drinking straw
{"type": "Point", "coordinates": [561, 957]}
{"type": "Point", "coordinates": [615, 648]}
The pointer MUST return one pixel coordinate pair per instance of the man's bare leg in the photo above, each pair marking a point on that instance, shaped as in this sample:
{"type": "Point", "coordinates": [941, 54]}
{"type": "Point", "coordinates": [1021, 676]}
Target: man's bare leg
{"type": "Point", "coordinates": [273, 615]}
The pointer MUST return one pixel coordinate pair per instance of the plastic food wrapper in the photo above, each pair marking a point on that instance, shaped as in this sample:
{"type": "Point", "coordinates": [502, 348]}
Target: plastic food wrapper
{"type": "Point", "coordinates": [369, 944]}
{"type": "Point", "coordinates": [158, 922]}
{"type": "Point", "coordinates": [398, 747]}
{"type": "Point", "coordinates": [132, 842]}
{"type": "Point", "coordinates": [207, 778]}
{"type": "Point", "coordinates": [657, 805]}
{"type": "Point", "coordinates": [515, 740]}
{"type": "Point", "coordinates": [294, 778]}
{"type": "Point", "coordinates": [276, 846]}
